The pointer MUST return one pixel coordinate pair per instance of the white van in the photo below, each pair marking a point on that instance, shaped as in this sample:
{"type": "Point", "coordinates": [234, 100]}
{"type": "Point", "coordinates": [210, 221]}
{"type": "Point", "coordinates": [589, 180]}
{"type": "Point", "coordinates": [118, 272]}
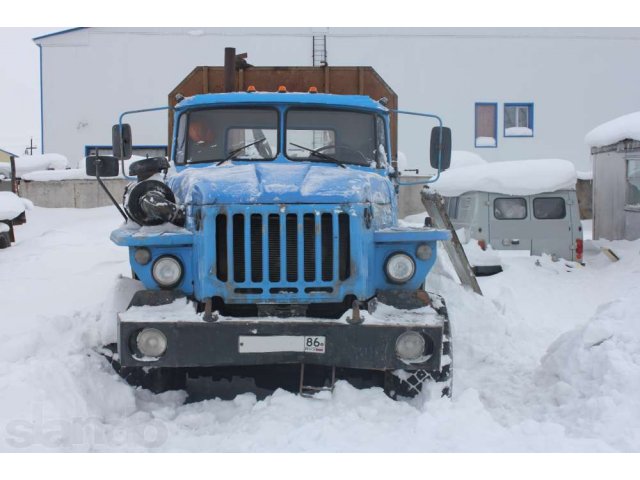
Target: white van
{"type": "Point", "coordinates": [520, 205]}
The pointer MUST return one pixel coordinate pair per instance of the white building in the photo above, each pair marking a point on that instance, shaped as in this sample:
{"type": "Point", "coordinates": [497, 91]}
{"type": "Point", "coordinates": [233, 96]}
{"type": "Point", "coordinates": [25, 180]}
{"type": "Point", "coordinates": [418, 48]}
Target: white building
{"type": "Point", "coordinates": [507, 94]}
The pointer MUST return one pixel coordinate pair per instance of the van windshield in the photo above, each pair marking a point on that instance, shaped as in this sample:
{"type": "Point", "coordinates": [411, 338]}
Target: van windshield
{"type": "Point", "coordinates": [215, 135]}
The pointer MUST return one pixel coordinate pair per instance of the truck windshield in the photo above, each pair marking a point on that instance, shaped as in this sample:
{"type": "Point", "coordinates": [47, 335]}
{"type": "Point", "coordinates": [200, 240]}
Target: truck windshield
{"type": "Point", "coordinates": [213, 135]}
{"type": "Point", "coordinates": [342, 136]}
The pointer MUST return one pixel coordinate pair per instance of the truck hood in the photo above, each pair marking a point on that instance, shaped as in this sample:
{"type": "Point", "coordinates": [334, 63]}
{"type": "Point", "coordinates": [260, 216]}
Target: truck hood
{"type": "Point", "coordinates": [279, 183]}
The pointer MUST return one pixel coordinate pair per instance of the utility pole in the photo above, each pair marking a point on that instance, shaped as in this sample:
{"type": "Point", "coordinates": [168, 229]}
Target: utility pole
{"type": "Point", "coordinates": [29, 150]}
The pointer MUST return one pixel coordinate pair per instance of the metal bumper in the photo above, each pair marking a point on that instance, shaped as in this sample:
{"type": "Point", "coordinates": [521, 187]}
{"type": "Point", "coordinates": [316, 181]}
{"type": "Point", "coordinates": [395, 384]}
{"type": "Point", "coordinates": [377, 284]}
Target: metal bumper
{"type": "Point", "coordinates": [212, 344]}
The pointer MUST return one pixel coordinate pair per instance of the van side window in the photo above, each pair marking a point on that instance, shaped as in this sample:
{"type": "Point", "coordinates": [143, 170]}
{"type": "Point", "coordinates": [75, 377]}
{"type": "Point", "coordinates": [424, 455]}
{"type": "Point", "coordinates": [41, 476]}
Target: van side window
{"type": "Point", "coordinates": [551, 208]}
{"type": "Point", "coordinates": [512, 208]}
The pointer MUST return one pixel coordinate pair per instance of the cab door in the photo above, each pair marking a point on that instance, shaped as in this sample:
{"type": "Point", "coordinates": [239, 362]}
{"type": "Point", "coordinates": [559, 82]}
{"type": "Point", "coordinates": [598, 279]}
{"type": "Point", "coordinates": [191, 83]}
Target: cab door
{"type": "Point", "coordinates": [551, 218]}
{"type": "Point", "coordinates": [509, 222]}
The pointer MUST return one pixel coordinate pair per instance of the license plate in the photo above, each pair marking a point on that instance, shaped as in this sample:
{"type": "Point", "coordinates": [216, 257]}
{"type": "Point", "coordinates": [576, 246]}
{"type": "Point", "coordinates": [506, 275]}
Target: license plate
{"type": "Point", "coordinates": [281, 343]}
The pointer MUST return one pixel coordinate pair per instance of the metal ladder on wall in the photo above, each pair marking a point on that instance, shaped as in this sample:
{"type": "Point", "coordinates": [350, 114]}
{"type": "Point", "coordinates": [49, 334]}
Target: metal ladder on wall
{"type": "Point", "coordinates": [434, 204]}
{"type": "Point", "coordinates": [319, 51]}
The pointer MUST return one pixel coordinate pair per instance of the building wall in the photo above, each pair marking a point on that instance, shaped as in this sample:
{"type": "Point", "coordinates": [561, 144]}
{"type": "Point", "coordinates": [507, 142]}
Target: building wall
{"type": "Point", "coordinates": [609, 192]}
{"type": "Point", "coordinates": [576, 79]}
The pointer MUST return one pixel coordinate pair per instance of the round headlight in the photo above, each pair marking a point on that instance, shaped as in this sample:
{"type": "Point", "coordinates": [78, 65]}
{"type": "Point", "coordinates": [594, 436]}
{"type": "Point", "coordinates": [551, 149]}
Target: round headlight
{"type": "Point", "coordinates": [400, 268]}
{"type": "Point", "coordinates": [167, 271]}
{"type": "Point", "coordinates": [423, 252]}
{"type": "Point", "coordinates": [151, 342]}
{"type": "Point", "coordinates": [142, 255]}
{"type": "Point", "coordinates": [410, 346]}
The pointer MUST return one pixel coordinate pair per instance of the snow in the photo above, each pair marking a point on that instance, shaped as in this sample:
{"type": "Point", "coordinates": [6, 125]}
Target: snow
{"type": "Point", "coordinates": [485, 142]}
{"type": "Point", "coordinates": [462, 158]}
{"type": "Point", "coordinates": [518, 132]}
{"type": "Point", "coordinates": [4, 227]}
{"type": "Point", "coordinates": [31, 163]}
{"type": "Point", "coordinates": [75, 173]}
{"type": "Point", "coordinates": [518, 177]}
{"type": "Point", "coordinates": [584, 174]}
{"type": "Point", "coordinates": [614, 131]}
{"type": "Point", "coordinates": [547, 360]}
{"type": "Point", "coordinates": [12, 205]}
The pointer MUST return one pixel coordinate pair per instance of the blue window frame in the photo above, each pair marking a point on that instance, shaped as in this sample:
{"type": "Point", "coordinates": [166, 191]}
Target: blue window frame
{"type": "Point", "coordinates": [486, 130]}
{"type": "Point", "coordinates": [518, 120]}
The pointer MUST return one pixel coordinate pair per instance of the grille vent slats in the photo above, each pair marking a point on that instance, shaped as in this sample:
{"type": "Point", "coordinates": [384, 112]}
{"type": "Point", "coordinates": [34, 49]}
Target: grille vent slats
{"type": "Point", "coordinates": [294, 236]}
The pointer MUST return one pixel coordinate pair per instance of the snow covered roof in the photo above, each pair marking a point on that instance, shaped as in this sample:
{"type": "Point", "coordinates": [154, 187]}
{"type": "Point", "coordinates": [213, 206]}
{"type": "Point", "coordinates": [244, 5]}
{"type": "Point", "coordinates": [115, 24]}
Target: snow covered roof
{"type": "Point", "coordinates": [8, 153]}
{"type": "Point", "coordinates": [518, 177]}
{"type": "Point", "coordinates": [462, 158]}
{"type": "Point", "coordinates": [614, 131]}
{"type": "Point", "coordinates": [32, 163]}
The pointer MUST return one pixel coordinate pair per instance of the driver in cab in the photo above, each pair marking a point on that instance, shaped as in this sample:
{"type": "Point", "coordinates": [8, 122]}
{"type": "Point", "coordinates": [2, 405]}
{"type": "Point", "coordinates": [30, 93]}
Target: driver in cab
{"type": "Point", "coordinates": [203, 141]}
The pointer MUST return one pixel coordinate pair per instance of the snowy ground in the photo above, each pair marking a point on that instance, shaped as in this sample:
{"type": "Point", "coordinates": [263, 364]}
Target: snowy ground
{"type": "Point", "coordinates": [547, 360]}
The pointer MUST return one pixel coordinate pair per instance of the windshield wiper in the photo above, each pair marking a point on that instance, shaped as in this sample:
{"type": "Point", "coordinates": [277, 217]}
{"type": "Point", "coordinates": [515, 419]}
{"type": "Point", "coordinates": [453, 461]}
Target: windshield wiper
{"type": "Point", "coordinates": [235, 152]}
{"type": "Point", "coordinates": [317, 154]}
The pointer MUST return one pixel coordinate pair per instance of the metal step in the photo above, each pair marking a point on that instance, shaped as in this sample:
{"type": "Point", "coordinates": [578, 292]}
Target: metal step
{"type": "Point", "coordinates": [310, 390]}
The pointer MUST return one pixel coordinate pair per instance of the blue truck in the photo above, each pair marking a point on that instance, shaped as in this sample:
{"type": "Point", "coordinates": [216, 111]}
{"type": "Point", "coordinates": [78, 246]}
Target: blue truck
{"type": "Point", "coordinates": [275, 251]}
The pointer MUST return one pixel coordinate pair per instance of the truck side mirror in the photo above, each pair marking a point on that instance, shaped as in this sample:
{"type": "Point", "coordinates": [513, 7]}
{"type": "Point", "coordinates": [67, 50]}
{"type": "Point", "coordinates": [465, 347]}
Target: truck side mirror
{"type": "Point", "coordinates": [440, 147]}
{"type": "Point", "coordinates": [102, 166]}
{"type": "Point", "coordinates": [122, 142]}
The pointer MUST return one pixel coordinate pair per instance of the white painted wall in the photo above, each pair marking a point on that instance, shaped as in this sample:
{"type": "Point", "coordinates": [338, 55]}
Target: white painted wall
{"type": "Point", "coordinates": [576, 78]}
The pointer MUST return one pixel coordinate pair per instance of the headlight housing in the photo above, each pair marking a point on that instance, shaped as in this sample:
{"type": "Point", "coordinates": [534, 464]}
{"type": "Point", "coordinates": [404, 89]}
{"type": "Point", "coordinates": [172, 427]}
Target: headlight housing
{"type": "Point", "coordinates": [167, 271]}
{"type": "Point", "coordinates": [400, 268]}
{"type": "Point", "coordinates": [151, 342]}
{"type": "Point", "coordinates": [410, 346]}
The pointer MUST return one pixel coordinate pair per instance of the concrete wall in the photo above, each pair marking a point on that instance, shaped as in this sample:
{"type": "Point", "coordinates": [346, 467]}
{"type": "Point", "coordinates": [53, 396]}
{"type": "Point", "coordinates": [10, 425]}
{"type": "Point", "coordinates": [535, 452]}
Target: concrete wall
{"type": "Point", "coordinates": [72, 193]}
{"type": "Point", "coordinates": [91, 75]}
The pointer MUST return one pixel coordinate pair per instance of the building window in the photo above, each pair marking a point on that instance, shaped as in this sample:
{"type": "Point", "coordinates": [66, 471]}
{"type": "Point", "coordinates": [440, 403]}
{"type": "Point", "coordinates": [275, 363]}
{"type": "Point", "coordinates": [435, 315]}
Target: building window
{"type": "Point", "coordinates": [551, 208]}
{"type": "Point", "coordinates": [486, 125]}
{"type": "Point", "coordinates": [633, 184]}
{"type": "Point", "coordinates": [518, 119]}
{"type": "Point", "coordinates": [510, 208]}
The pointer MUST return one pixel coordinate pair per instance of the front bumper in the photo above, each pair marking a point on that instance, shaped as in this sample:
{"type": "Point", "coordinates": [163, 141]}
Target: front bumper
{"type": "Point", "coordinates": [212, 344]}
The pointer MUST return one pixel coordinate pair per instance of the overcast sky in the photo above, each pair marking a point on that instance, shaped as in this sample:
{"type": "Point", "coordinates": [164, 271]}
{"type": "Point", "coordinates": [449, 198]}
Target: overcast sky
{"type": "Point", "coordinates": [20, 87]}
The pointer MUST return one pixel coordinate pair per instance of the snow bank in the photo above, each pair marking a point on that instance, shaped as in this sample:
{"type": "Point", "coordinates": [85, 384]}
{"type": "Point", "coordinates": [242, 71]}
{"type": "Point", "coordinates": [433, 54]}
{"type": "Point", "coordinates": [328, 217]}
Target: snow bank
{"type": "Point", "coordinates": [74, 173]}
{"type": "Point", "coordinates": [11, 205]}
{"type": "Point", "coordinates": [592, 373]}
{"type": "Point", "coordinates": [32, 163]}
{"type": "Point", "coordinates": [462, 158]}
{"type": "Point", "coordinates": [521, 177]}
{"type": "Point", "coordinates": [52, 175]}
{"type": "Point", "coordinates": [613, 131]}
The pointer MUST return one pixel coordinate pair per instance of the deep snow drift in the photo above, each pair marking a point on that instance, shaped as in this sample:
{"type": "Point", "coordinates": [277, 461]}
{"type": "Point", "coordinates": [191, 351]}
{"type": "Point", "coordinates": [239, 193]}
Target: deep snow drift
{"type": "Point", "coordinates": [547, 360]}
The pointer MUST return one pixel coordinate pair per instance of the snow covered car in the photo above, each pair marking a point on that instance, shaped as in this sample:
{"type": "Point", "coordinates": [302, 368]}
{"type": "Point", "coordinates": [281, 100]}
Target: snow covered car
{"type": "Point", "coordinates": [526, 205]}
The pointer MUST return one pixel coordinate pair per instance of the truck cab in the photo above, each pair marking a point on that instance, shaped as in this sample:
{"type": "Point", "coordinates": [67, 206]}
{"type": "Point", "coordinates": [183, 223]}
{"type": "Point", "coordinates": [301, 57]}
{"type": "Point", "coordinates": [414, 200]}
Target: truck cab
{"type": "Point", "coordinates": [276, 242]}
